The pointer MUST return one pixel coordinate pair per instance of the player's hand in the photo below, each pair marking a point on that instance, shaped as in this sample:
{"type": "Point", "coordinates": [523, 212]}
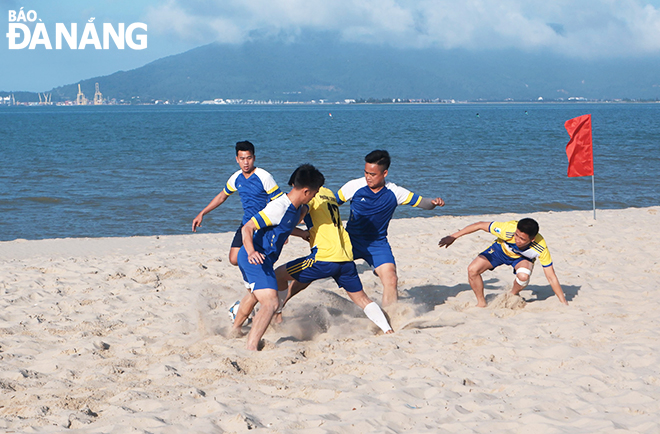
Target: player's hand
{"type": "Point", "coordinates": [305, 235]}
{"type": "Point", "coordinates": [256, 258]}
{"type": "Point", "coordinates": [438, 201]}
{"type": "Point", "coordinates": [446, 241]}
{"type": "Point", "coordinates": [197, 223]}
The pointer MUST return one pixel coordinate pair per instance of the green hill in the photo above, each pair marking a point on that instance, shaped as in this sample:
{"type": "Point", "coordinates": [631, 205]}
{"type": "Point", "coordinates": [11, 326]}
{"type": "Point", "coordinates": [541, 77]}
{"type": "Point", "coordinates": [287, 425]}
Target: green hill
{"type": "Point", "coordinates": [318, 69]}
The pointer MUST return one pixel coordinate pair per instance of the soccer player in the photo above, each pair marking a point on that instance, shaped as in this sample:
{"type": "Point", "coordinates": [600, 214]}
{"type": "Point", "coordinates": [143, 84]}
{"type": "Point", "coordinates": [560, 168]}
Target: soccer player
{"type": "Point", "coordinates": [255, 186]}
{"type": "Point", "coordinates": [373, 201]}
{"type": "Point", "coordinates": [331, 256]}
{"type": "Point", "coordinates": [518, 244]}
{"type": "Point", "coordinates": [264, 236]}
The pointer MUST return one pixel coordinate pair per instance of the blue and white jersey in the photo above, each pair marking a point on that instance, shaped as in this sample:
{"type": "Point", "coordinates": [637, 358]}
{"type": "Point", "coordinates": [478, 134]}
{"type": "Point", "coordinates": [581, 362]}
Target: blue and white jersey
{"type": "Point", "coordinates": [371, 212]}
{"type": "Point", "coordinates": [255, 191]}
{"type": "Point", "coordinates": [274, 225]}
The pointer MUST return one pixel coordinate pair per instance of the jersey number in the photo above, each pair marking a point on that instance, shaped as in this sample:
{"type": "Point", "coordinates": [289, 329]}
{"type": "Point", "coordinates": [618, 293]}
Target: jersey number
{"type": "Point", "coordinates": [334, 214]}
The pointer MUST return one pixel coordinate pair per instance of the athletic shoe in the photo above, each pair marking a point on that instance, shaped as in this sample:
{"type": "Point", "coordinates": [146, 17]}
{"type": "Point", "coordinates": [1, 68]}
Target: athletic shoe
{"type": "Point", "coordinates": [233, 310]}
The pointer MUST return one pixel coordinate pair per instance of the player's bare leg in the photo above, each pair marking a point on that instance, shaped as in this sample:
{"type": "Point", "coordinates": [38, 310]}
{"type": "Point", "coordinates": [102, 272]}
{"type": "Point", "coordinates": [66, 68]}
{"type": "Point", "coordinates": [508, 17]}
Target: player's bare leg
{"type": "Point", "coordinates": [387, 274]}
{"type": "Point", "coordinates": [269, 302]}
{"type": "Point", "coordinates": [359, 298]}
{"type": "Point", "coordinates": [233, 255]}
{"type": "Point", "coordinates": [523, 274]}
{"type": "Point", "coordinates": [475, 270]}
{"type": "Point", "coordinates": [287, 288]}
{"type": "Point", "coordinates": [245, 308]}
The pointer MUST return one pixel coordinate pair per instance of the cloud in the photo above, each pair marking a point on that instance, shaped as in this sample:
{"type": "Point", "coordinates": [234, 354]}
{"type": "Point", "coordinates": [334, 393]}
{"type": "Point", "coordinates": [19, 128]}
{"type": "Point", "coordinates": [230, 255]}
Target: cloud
{"type": "Point", "coordinates": [590, 28]}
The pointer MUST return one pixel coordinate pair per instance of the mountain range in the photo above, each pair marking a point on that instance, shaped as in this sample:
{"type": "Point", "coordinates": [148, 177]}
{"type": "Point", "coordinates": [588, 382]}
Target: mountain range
{"type": "Point", "coordinates": [318, 68]}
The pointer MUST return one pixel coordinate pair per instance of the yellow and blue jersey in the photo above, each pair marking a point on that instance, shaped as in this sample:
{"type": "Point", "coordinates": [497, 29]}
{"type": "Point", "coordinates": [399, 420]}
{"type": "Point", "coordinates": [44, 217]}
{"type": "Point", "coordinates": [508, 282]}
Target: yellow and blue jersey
{"type": "Point", "coordinates": [505, 231]}
{"type": "Point", "coordinates": [327, 235]}
{"type": "Point", "coordinates": [274, 225]}
{"type": "Point", "coordinates": [371, 212]}
{"type": "Point", "coordinates": [255, 191]}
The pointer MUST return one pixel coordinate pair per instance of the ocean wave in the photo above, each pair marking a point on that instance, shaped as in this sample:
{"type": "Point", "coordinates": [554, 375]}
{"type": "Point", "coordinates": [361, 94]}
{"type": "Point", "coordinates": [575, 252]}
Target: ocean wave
{"type": "Point", "coordinates": [42, 199]}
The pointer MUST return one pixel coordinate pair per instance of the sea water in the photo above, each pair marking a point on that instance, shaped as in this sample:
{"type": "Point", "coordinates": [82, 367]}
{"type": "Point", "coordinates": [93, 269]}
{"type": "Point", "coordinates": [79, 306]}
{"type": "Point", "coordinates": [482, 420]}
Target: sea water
{"type": "Point", "coordinates": [105, 171]}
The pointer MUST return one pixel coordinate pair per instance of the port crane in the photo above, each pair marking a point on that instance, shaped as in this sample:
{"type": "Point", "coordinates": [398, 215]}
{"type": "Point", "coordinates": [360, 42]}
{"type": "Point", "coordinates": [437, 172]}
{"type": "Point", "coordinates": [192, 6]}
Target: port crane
{"type": "Point", "coordinates": [80, 98]}
{"type": "Point", "coordinates": [98, 96]}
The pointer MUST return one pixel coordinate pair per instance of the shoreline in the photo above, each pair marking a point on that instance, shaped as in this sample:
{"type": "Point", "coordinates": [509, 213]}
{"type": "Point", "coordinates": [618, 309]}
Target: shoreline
{"type": "Point", "coordinates": [101, 335]}
{"type": "Point", "coordinates": [5, 243]}
{"type": "Point", "coordinates": [336, 103]}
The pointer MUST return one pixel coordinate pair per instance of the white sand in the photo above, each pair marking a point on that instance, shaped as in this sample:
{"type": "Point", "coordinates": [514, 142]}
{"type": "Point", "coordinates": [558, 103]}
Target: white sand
{"type": "Point", "coordinates": [126, 335]}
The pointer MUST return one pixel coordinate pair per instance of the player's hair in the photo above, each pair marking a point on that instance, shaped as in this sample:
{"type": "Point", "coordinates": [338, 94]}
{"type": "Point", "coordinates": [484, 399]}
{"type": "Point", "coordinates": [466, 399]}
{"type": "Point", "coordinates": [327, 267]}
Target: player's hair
{"type": "Point", "coordinates": [306, 176]}
{"type": "Point", "coordinates": [529, 227]}
{"type": "Point", "coordinates": [379, 157]}
{"type": "Point", "coordinates": [244, 146]}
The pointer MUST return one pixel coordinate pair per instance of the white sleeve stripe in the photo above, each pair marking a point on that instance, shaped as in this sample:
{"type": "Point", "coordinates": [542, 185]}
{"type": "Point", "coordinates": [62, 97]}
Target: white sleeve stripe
{"type": "Point", "coordinates": [402, 195]}
{"type": "Point", "coordinates": [231, 182]}
{"type": "Point", "coordinates": [266, 179]}
{"type": "Point", "coordinates": [349, 189]}
{"type": "Point", "coordinates": [276, 209]}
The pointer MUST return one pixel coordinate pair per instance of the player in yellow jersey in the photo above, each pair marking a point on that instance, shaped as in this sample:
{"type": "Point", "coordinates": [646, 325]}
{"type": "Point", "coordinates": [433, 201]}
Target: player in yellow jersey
{"type": "Point", "coordinates": [518, 244]}
{"type": "Point", "coordinates": [331, 256]}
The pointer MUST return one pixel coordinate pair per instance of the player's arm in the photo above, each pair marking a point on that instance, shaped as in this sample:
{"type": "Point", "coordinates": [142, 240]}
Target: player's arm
{"type": "Point", "coordinates": [297, 232]}
{"type": "Point", "coordinates": [474, 227]}
{"type": "Point", "coordinates": [426, 203]}
{"type": "Point", "coordinates": [346, 192]}
{"type": "Point", "coordinates": [247, 231]}
{"type": "Point", "coordinates": [216, 202]}
{"type": "Point", "coordinates": [340, 197]}
{"type": "Point", "coordinates": [270, 186]}
{"type": "Point", "coordinates": [554, 283]}
{"type": "Point", "coordinates": [303, 213]}
{"type": "Point", "coordinates": [301, 233]}
{"type": "Point", "coordinates": [407, 197]}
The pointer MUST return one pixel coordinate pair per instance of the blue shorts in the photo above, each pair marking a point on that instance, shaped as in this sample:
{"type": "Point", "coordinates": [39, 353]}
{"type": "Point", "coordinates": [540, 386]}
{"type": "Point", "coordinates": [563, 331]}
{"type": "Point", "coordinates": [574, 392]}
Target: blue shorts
{"type": "Point", "coordinates": [375, 252]}
{"type": "Point", "coordinates": [307, 270]}
{"type": "Point", "coordinates": [497, 257]}
{"type": "Point", "coordinates": [257, 276]}
{"type": "Point", "coordinates": [238, 238]}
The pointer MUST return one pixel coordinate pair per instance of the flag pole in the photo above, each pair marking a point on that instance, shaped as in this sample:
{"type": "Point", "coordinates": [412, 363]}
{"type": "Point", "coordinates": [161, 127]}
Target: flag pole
{"type": "Point", "coordinates": [593, 194]}
{"type": "Point", "coordinates": [579, 151]}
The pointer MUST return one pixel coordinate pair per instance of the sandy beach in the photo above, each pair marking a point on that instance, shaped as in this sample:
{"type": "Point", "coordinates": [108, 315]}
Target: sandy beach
{"type": "Point", "coordinates": [128, 335]}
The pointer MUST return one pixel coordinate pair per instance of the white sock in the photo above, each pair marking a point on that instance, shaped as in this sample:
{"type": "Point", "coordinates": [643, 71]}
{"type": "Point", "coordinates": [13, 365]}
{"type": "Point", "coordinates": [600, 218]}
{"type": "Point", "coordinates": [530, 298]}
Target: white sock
{"type": "Point", "coordinates": [375, 314]}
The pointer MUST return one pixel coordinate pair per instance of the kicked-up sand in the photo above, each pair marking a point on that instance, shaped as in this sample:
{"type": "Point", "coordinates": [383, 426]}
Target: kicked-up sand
{"type": "Point", "coordinates": [128, 335]}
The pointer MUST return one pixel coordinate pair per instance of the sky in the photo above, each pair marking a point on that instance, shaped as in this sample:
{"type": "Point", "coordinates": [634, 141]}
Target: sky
{"type": "Point", "coordinates": [591, 29]}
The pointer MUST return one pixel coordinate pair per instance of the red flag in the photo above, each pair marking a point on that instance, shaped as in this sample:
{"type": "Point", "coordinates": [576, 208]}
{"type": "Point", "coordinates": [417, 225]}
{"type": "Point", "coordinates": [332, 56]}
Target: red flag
{"type": "Point", "coordinates": [580, 148]}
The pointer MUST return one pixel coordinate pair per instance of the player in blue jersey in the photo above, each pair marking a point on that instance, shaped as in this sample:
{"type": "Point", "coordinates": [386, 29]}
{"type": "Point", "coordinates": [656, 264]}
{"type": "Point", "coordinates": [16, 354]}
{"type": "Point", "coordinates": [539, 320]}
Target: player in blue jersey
{"type": "Point", "coordinates": [264, 236]}
{"type": "Point", "coordinates": [373, 201]}
{"type": "Point", "coordinates": [255, 186]}
{"type": "Point", "coordinates": [331, 256]}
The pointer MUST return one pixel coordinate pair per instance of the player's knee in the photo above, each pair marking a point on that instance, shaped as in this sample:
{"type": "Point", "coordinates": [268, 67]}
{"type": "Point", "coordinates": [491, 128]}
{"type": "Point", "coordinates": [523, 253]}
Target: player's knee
{"type": "Point", "coordinates": [233, 256]}
{"type": "Point", "coordinates": [473, 270]}
{"type": "Point", "coordinates": [270, 303]}
{"type": "Point", "coordinates": [522, 276]}
{"type": "Point", "coordinates": [387, 272]}
{"type": "Point", "coordinates": [394, 278]}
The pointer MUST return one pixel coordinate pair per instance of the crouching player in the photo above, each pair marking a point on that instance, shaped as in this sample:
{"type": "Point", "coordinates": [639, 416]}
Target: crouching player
{"type": "Point", "coordinates": [264, 236]}
{"type": "Point", "coordinates": [518, 244]}
{"type": "Point", "coordinates": [331, 256]}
